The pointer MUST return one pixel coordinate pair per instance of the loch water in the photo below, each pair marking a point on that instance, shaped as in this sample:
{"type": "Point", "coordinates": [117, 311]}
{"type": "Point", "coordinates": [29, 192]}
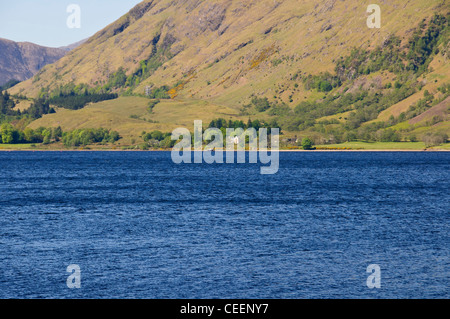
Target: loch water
{"type": "Point", "coordinates": [140, 226]}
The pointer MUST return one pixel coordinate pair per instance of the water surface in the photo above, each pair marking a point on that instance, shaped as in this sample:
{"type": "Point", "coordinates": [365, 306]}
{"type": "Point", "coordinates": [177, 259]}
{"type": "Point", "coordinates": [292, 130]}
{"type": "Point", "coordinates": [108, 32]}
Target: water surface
{"type": "Point", "coordinates": [140, 226]}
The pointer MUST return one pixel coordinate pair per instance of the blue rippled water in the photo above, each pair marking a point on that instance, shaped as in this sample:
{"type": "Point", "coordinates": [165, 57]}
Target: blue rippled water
{"type": "Point", "coordinates": [140, 226]}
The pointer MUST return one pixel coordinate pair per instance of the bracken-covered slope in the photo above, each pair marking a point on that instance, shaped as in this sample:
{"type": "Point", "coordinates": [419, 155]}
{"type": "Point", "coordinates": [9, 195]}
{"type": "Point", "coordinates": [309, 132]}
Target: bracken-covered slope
{"type": "Point", "coordinates": [232, 48]}
{"type": "Point", "coordinates": [21, 60]}
{"type": "Point", "coordinates": [226, 52]}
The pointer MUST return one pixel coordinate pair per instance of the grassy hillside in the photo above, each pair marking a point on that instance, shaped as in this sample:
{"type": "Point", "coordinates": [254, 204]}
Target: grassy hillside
{"type": "Point", "coordinates": [240, 48]}
{"type": "Point", "coordinates": [130, 116]}
{"type": "Point", "coordinates": [213, 58]}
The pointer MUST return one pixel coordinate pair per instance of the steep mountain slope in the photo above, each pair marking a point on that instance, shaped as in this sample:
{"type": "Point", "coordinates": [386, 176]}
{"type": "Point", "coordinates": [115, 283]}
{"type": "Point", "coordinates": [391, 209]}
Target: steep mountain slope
{"type": "Point", "coordinates": [227, 52]}
{"type": "Point", "coordinates": [22, 60]}
{"type": "Point", "coordinates": [72, 46]}
{"type": "Point", "coordinates": [233, 48]}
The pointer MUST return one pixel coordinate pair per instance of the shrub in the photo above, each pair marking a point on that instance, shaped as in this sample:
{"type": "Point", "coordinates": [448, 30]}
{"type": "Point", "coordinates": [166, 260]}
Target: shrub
{"type": "Point", "coordinates": [307, 144]}
{"type": "Point", "coordinates": [261, 104]}
{"type": "Point", "coordinates": [89, 136]}
{"type": "Point", "coordinates": [434, 139]}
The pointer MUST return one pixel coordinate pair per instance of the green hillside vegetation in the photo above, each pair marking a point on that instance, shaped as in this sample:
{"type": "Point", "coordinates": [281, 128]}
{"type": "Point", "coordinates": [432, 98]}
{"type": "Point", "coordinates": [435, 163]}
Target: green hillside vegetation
{"type": "Point", "coordinates": [89, 136]}
{"type": "Point", "coordinates": [130, 116]}
{"type": "Point", "coordinates": [8, 113]}
{"type": "Point", "coordinates": [80, 137]}
{"type": "Point", "coordinates": [75, 102]}
{"type": "Point", "coordinates": [314, 70]}
{"type": "Point", "coordinates": [365, 105]}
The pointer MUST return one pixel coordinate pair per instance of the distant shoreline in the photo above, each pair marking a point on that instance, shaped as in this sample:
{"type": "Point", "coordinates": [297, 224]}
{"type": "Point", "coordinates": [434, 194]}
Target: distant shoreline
{"type": "Point", "coordinates": [356, 146]}
{"type": "Point", "coordinates": [281, 151]}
